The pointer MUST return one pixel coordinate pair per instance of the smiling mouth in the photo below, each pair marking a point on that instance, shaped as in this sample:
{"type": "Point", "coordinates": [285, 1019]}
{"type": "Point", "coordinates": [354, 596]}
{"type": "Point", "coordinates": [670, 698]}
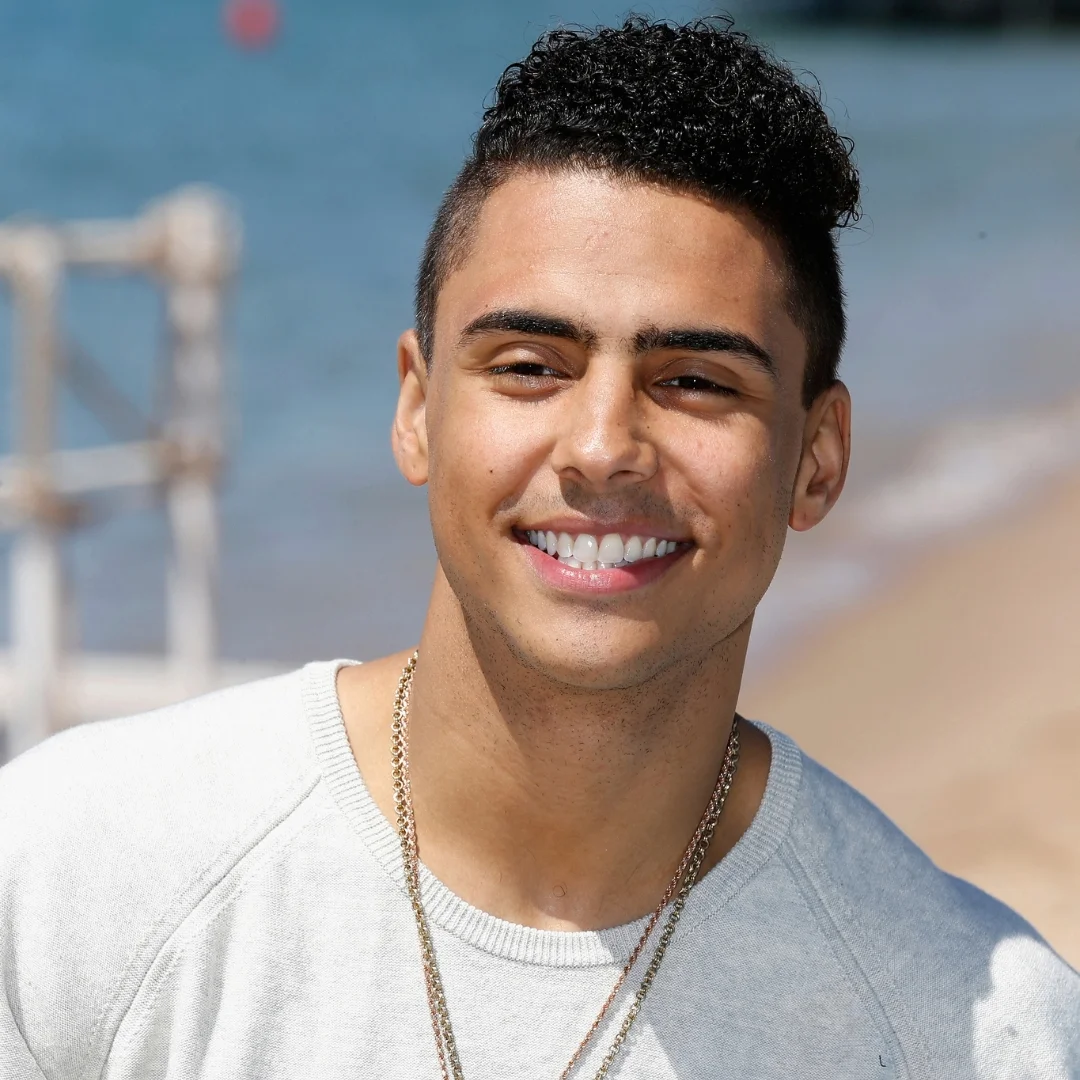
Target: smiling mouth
{"type": "Point", "coordinates": [612, 551]}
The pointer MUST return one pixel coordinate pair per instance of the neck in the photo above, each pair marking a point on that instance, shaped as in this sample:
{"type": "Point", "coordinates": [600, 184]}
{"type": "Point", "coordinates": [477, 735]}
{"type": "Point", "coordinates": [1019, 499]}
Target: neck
{"type": "Point", "coordinates": [559, 807]}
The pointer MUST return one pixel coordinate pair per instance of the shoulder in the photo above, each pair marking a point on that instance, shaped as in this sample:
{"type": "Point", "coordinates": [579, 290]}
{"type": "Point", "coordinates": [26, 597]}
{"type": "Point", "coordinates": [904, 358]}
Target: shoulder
{"type": "Point", "coordinates": [963, 979]}
{"type": "Point", "coordinates": [201, 761]}
{"type": "Point", "coordinates": [114, 831]}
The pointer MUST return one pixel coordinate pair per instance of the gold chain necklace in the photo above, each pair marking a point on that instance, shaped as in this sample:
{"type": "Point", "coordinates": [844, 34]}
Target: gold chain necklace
{"type": "Point", "coordinates": [687, 873]}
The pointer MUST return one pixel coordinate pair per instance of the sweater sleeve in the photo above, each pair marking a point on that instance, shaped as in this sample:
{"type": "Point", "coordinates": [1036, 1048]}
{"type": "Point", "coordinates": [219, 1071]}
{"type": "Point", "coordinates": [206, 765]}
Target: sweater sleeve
{"type": "Point", "coordinates": [64, 933]}
{"type": "Point", "coordinates": [111, 834]}
{"type": "Point", "coordinates": [16, 1060]}
{"type": "Point", "coordinates": [21, 935]}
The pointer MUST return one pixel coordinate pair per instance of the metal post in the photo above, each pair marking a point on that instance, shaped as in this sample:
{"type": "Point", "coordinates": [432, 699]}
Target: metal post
{"type": "Point", "coordinates": [198, 253]}
{"type": "Point", "coordinates": [38, 606]}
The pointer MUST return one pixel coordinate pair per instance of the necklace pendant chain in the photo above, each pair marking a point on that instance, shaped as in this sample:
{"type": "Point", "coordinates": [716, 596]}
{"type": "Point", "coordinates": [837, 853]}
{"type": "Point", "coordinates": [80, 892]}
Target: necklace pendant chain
{"type": "Point", "coordinates": [674, 896]}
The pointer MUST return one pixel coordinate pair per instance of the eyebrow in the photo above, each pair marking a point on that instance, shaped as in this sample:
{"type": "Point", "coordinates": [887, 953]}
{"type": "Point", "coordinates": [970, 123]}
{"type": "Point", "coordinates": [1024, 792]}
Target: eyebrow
{"type": "Point", "coordinates": [533, 323]}
{"type": "Point", "coordinates": [693, 339]}
{"type": "Point", "coordinates": [708, 340]}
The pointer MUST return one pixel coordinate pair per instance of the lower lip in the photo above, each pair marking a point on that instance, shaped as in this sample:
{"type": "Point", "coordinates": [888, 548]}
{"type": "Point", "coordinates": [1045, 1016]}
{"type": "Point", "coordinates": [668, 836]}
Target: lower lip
{"type": "Point", "coordinates": [616, 580]}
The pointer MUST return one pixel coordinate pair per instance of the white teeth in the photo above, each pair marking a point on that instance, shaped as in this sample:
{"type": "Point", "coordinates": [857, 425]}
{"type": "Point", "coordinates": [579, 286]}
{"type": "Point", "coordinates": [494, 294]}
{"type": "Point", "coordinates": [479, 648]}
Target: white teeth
{"type": "Point", "coordinates": [611, 549]}
{"type": "Point", "coordinates": [585, 548]}
{"type": "Point", "coordinates": [585, 552]}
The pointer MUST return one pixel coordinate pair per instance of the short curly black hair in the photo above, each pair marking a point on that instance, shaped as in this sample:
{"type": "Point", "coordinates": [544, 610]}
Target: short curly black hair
{"type": "Point", "coordinates": [698, 108]}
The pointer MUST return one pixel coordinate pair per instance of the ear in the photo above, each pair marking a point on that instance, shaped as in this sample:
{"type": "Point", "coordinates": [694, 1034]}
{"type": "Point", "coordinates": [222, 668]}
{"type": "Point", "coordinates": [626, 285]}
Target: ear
{"type": "Point", "coordinates": [408, 436]}
{"type": "Point", "coordinates": [824, 462]}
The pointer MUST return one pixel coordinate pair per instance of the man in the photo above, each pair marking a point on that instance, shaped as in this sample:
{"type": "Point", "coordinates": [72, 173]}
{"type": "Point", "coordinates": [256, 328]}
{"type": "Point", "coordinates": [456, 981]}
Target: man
{"type": "Point", "coordinates": [621, 391]}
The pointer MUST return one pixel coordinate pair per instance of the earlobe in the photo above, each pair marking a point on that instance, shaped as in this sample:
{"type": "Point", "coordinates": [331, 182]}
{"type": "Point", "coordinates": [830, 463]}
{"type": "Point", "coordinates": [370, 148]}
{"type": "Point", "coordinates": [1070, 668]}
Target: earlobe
{"type": "Point", "coordinates": [408, 436]}
{"type": "Point", "coordinates": [825, 455]}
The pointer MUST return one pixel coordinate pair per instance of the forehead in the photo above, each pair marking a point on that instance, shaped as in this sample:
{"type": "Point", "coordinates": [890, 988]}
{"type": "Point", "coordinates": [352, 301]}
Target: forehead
{"type": "Point", "coordinates": [618, 255]}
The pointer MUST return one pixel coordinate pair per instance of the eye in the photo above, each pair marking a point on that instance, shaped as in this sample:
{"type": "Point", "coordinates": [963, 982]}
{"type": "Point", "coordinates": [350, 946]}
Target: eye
{"type": "Point", "coordinates": [526, 369]}
{"type": "Point", "coordinates": [697, 384]}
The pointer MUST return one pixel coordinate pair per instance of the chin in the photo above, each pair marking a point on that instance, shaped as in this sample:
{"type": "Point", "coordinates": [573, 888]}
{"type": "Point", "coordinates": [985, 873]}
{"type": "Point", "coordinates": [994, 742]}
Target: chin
{"type": "Point", "coordinates": [593, 661]}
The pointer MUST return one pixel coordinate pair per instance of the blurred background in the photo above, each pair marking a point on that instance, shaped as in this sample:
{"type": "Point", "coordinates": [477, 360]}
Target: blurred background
{"type": "Point", "coordinates": [924, 642]}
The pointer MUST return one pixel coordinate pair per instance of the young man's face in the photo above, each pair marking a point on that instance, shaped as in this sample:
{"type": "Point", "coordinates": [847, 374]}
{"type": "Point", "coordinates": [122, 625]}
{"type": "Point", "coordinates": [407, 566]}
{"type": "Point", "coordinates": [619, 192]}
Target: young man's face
{"type": "Point", "coordinates": [613, 360]}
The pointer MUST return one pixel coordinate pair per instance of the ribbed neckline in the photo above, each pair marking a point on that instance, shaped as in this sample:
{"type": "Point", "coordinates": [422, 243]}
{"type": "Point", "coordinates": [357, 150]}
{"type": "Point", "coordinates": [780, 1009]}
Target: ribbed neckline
{"type": "Point", "coordinates": [526, 944]}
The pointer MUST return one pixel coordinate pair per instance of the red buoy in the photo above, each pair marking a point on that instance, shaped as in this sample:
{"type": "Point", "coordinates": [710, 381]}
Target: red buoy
{"type": "Point", "coordinates": [251, 24]}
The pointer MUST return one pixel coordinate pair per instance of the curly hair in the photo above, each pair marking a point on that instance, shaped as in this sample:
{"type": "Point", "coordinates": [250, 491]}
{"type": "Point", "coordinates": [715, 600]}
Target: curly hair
{"type": "Point", "coordinates": [697, 108]}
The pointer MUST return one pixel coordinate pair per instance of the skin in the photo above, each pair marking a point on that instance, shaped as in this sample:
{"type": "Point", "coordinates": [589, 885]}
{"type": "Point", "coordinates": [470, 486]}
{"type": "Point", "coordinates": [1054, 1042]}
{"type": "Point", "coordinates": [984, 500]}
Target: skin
{"type": "Point", "coordinates": [564, 741]}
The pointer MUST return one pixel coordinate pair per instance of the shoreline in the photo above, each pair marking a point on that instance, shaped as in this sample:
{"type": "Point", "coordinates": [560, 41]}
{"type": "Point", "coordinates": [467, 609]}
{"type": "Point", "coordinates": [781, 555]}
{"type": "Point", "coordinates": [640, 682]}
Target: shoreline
{"type": "Point", "coordinates": [950, 697]}
{"type": "Point", "coordinates": [908, 497]}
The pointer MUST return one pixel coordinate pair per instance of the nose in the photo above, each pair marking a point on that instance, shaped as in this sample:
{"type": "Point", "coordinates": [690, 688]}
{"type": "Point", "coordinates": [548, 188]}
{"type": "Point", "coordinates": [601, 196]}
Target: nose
{"type": "Point", "coordinates": [603, 437]}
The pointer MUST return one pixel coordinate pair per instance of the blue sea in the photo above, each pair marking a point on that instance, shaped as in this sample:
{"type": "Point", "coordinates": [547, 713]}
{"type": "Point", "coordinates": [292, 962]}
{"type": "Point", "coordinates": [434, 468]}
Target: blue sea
{"type": "Point", "coordinates": [335, 145]}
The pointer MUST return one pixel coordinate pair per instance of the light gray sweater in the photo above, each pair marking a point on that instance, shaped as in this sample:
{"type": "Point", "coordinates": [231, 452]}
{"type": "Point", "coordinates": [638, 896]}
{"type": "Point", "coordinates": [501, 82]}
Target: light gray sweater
{"type": "Point", "coordinates": [210, 891]}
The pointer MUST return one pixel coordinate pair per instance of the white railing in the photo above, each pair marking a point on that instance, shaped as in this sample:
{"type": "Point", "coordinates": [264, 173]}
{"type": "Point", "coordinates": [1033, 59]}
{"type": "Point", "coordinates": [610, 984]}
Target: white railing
{"type": "Point", "coordinates": [189, 244]}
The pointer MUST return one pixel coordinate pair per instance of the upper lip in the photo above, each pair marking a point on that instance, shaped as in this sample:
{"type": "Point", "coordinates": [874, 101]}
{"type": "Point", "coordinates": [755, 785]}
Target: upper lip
{"type": "Point", "coordinates": [624, 529]}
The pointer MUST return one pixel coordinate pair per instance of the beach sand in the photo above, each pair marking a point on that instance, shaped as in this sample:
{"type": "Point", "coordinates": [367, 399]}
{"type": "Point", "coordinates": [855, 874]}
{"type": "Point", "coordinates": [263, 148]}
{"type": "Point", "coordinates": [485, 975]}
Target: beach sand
{"type": "Point", "coordinates": [952, 700]}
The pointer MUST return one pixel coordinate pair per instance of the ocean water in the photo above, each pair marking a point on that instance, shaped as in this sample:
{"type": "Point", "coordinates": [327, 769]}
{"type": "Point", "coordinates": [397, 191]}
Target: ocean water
{"type": "Point", "coordinates": [335, 146]}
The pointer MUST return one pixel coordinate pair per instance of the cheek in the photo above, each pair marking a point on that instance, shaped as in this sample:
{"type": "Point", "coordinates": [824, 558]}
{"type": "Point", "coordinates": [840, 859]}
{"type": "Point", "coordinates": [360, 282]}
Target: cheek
{"type": "Point", "coordinates": [480, 454]}
{"type": "Point", "coordinates": [737, 479]}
